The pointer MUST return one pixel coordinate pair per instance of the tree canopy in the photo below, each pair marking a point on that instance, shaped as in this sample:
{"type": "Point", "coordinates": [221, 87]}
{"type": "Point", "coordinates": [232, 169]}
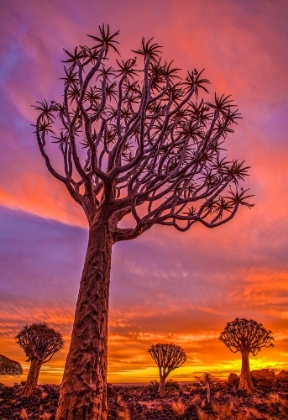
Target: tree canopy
{"type": "Point", "coordinates": [39, 341]}
{"type": "Point", "coordinates": [142, 140]}
{"type": "Point", "coordinates": [167, 356]}
{"type": "Point", "coordinates": [246, 335]}
{"type": "Point", "coordinates": [9, 367]}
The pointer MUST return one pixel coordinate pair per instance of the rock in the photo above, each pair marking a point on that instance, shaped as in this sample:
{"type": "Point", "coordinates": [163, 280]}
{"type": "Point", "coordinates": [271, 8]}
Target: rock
{"type": "Point", "coordinates": [233, 379]}
{"type": "Point", "coordinates": [263, 377]}
{"type": "Point", "coordinates": [282, 376]}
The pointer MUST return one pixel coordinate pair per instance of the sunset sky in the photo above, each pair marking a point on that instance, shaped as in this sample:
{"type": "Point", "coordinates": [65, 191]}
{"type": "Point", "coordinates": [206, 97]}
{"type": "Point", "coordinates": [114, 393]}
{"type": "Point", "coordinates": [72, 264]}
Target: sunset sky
{"type": "Point", "coordinates": [166, 286]}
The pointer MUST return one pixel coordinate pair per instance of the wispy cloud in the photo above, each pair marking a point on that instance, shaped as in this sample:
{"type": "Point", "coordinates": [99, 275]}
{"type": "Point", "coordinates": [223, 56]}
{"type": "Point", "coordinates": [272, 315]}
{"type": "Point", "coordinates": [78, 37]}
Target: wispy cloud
{"type": "Point", "coordinates": [165, 285]}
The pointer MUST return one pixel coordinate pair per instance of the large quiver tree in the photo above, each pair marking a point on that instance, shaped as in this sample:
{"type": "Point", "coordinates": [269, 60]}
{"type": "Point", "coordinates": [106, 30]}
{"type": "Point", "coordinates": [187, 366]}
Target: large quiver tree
{"type": "Point", "coordinates": [137, 144]}
{"type": "Point", "coordinates": [9, 367]}
{"type": "Point", "coordinates": [39, 343]}
{"type": "Point", "coordinates": [167, 357]}
{"type": "Point", "coordinates": [246, 336]}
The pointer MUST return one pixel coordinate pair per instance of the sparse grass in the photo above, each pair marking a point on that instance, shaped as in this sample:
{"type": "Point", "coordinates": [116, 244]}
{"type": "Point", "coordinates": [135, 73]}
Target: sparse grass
{"type": "Point", "coordinates": [196, 399]}
{"type": "Point", "coordinates": [44, 395]}
{"type": "Point", "coordinates": [225, 405]}
{"type": "Point", "coordinates": [223, 411]}
{"type": "Point", "coordinates": [178, 407]}
{"type": "Point", "coordinates": [254, 414]}
{"type": "Point", "coordinates": [23, 414]}
{"type": "Point", "coordinates": [274, 398]}
{"type": "Point", "coordinates": [45, 416]}
{"type": "Point", "coordinates": [123, 414]}
{"type": "Point", "coordinates": [277, 400]}
{"type": "Point", "coordinates": [283, 401]}
{"type": "Point", "coordinates": [202, 415]}
{"type": "Point", "coordinates": [257, 399]}
{"type": "Point", "coordinates": [240, 416]}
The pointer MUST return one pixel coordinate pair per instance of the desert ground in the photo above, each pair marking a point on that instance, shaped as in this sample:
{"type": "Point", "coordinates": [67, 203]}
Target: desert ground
{"type": "Point", "coordinates": [268, 401]}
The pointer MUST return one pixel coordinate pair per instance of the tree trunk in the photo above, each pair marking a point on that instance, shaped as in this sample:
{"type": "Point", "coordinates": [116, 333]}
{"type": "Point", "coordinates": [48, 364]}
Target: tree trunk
{"type": "Point", "coordinates": [32, 378]}
{"type": "Point", "coordinates": [83, 392]}
{"type": "Point", "coordinates": [161, 389]}
{"type": "Point", "coordinates": [208, 392]}
{"type": "Point", "coordinates": [245, 376]}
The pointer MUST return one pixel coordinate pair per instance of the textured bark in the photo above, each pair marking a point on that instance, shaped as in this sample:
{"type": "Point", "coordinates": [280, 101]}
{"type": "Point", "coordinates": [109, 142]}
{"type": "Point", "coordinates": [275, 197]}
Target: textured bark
{"type": "Point", "coordinates": [83, 393]}
{"type": "Point", "coordinates": [245, 376]}
{"type": "Point", "coordinates": [32, 378]}
{"type": "Point", "coordinates": [162, 386]}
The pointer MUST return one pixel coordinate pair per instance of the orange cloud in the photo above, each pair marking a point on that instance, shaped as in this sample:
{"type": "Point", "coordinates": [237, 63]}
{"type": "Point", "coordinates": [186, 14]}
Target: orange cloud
{"type": "Point", "coordinates": [166, 285]}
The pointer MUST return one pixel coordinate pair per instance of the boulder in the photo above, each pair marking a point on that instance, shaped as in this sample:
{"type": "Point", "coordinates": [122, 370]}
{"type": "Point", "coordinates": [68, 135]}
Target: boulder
{"type": "Point", "coordinates": [282, 376]}
{"type": "Point", "coordinates": [233, 379]}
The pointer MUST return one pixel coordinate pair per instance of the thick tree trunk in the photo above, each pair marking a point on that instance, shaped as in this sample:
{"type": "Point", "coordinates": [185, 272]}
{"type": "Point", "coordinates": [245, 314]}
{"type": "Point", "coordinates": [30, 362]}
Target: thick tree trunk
{"type": "Point", "coordinates": [32, 378]}
{"type": "Point", "coordinates": [245, 376]}
{"type": "Point", "coordinates": [83, 392]}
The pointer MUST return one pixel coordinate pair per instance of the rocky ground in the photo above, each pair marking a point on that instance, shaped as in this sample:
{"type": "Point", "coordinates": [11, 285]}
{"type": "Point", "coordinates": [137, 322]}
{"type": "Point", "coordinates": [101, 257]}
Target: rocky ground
{"type": "Point", "coordinates": [187, 402]}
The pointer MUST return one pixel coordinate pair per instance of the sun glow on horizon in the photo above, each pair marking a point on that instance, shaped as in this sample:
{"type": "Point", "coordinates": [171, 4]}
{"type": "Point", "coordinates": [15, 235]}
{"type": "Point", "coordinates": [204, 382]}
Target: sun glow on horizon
{"type": "Point", "coordinates": [166, 286]}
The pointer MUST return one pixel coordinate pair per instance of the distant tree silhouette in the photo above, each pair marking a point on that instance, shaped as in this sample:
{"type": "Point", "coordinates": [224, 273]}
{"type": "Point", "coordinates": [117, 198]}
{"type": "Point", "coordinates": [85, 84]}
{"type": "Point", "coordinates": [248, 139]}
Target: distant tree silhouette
{"type": "Point", "coordinates": [39, 343]}
{"type": "Point", "coordinates": [167, 357]}
{"type": "Point", "coordinates": [134, 144]}
{"type": "Point", "coordinates": [9, 367]}
{"type": "Point", "coordinates": [246, 336]}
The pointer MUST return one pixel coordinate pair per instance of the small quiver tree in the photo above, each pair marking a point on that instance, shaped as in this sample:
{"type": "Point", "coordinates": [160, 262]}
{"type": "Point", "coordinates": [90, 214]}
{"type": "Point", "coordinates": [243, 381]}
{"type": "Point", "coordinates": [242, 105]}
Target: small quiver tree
{"type": "Point", "coordinates": [208, 381]}
{"type": "Point", "coordinates": [39, 343]}
{"type": "Point", "coordinates": [246, 336]}
{"type": "Point", "coordinates": [167, 357]}
{"type": "Point", "coordinates": [9, 367]}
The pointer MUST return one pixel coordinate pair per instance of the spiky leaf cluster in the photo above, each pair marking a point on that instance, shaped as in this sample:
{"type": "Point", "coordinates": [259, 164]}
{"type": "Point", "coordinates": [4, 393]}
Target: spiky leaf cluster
{"type": "Point", "coordinates": [9, 367]}
{"type": "Point", "coordinates": [207, 379]}
{"type": "Point", "coordinates": [168, 356]}
{"type": "Point", "coordinates": [246, 335]}
{"type": "Point", "coordinates": [139, 140]}
{"type": "Point", "coordinates": [39, 342]}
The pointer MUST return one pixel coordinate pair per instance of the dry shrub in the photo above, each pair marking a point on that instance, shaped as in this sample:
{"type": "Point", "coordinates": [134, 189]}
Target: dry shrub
{"type": "Point", "coordinates": [253, 413]}
{"type": "Point", "coordinates": [45, 416]}
{"type": "Point", "coordinates": [178, 407]}
{"type": "Point", "coordinates": [153, 386]}
{"type": "Point", "coordinates": [123, 414]}
{"type": "Point", "coordinates": [202, 415]}
{"type": "Point", "coordinates": [196, 399]}
{"type": "Point", "coordinates": [23, 414]}
{"type": "Point", "coordinates": [275, 398]}
{"type": "Point", "coordinates": [172, 385]}
{"type": "Point", "coordinates": [224, 411]}
{"type": "Point", "coordinates": [240, 416]}
{"type": "Point", "coordinates": [257, 400]}
{"type": "Point", "coordinates": [160, 406]}
{"type": "Point", "coordinates": [283, 401]}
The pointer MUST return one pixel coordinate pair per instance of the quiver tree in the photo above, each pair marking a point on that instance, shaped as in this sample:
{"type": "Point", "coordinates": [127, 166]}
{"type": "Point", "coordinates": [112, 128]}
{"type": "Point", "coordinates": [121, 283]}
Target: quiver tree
{"type": "Point", "coordinates": [39, 343]}
{"type": "Point", "coordinates": [167, 357]}
{"type": "Point", "coordinates": [208, 381]}
{"type": "Point", "coordinates": [246, 336]}
{"type": "Point", "coordinates": [135, 143]}
{"type": "Point", "coordinates": [9, 367]}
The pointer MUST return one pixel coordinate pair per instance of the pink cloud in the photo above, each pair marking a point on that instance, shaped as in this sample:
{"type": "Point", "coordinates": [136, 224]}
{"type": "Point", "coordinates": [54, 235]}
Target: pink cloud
{"type": "Point", "coordinates": [184, 287]}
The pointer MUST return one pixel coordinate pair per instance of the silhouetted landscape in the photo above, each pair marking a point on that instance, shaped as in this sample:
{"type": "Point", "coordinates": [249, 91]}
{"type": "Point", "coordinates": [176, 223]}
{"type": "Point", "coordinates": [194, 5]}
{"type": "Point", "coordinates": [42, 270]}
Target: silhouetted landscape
{"type": "Point", "coordinates": [181, 401]}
